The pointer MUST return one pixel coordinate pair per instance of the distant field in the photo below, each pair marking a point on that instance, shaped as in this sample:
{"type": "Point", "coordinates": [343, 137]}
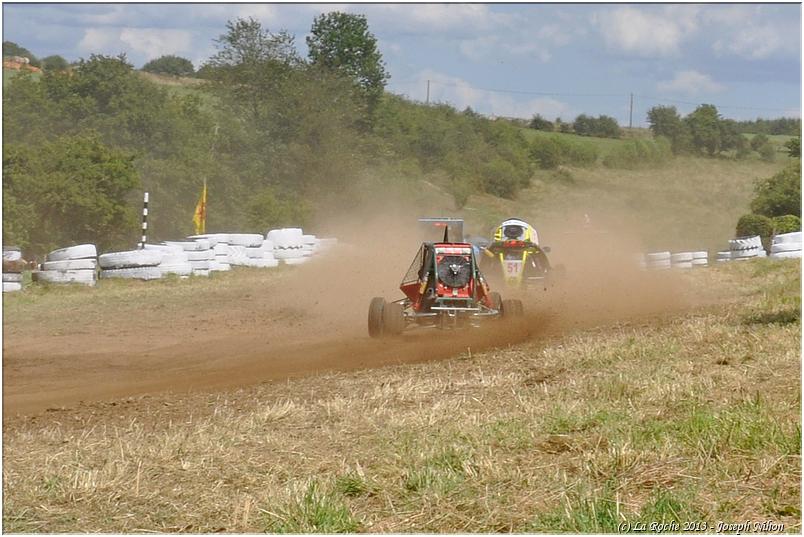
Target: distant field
{"type": "Point", "coordinates": [604, 145]}
{"type": "Point", "coordinates": [8, 74]}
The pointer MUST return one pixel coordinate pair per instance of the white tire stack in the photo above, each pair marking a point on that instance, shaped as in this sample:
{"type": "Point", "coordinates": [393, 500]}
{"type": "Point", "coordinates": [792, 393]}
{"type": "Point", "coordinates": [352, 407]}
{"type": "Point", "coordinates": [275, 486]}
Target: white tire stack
{"type": "Point", "coordinates": [132, 264]}
{"type": "Point", "coordinates": [75, 264]}
{"type": "Point", "coordinates": [174, 260]}
{"type": "Point", "coordinates": [681, 260]}
{"type": "Point", "coordinates": [786, 246]}
{"type": "Point", "coordinates": [658, 261]}
{"type": "Point", "coordinates": [700, 259]}
{"type": "Point", "coordinates": [268, 258]}
{"type": "Point", "coordinates": [199, 254]}
{"type": "Point", "coordinates": [12, 269]}
{"type": "Point", "coordinates": [288, 244]}
{"type": "Point", "coordinates": [743, 248]}
{"type": "Point", "coordinates": [218, 242]}
{"type": "Point", "coordinates": [308, 245]}
{"type": "Point", "coordinates": [724, 256]}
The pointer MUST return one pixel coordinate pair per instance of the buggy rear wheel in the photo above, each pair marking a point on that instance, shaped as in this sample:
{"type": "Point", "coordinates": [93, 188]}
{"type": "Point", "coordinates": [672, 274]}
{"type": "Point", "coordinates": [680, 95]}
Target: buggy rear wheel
{"type": "Point", "coordinates": [496, 300]}
{"type": "Point", "coordinates": [512, 308]}
{"type": "Point", "coordinates": [375, 324]}
{"type": "Point", "coordinates": [393, 318]}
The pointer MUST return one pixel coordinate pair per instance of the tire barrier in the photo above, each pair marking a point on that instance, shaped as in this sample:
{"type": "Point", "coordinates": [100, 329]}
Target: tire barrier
{"type": "Point", "coordinates": [197, 255]}
{"type": "Point", "coordinates": [786, 246]}
{"type": "Point", "coordinates": [74, 264]}
{"type": "Point", "coordinates": [12, 269]}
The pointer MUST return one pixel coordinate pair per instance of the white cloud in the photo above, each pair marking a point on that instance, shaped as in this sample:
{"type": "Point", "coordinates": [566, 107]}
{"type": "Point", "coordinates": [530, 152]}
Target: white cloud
{"type": "Point", "coordinates": [455, 19]}
{"type": "Point", "coordinates": [752, 42]}
{"type": "Point", "coordinates": [155, 42]}
{"type": "Point", "coordinates": [492, 47]}
{"type": "Point", "coordinates": [99, 39]}
{"type": "Point", "coordinates": [690, 83]}
{"type": "Point", "coordinates": [460, 94]}
{"type": "Point", "coordinates": [645, 33]}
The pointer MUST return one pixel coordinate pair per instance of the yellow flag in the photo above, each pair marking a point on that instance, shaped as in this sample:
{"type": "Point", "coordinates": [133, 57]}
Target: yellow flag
{"type": "Point", "coordinates": [200, 216]}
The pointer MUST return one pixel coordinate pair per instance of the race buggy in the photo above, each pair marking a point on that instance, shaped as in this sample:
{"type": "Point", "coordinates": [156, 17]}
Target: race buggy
{"type": "Point", "coordinates": [515, 255]}
{"type": "Point", "coordinates": [443, 288]}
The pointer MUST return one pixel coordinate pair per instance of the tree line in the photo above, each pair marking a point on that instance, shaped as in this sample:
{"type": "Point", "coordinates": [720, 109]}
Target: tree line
{"type": "Point", "coordinates": [277, 136]}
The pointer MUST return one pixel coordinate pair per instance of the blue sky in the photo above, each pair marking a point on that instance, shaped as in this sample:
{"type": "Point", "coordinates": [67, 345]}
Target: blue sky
{"type": "Point", "coordinates": [554, 59]}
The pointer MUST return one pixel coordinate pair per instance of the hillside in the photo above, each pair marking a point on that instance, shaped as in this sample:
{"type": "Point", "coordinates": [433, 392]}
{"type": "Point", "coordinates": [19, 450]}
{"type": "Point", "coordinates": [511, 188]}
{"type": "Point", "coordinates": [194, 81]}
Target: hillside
{"type": "Point", "coordinates": [286, 156]}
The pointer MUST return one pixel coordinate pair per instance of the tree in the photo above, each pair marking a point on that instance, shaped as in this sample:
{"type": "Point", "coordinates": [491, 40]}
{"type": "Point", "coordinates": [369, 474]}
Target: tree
{"type": "Point", "coordinates": [170, 65]}
{"type": "Point", "coordinates": [793, 146]}
{"type": "Point", "coordinates": [54, 63]}
{"type": "Point", "coordinates": [767, 152]}
{"type": "Point", "coordinates": [540, 124]}
{"type": "Point", "coordinates": [704, 125]}
{"type": "Point", "coordinates": [583, 125]}
{"type": "Point", "coordinates": [73, 189]}
{"type": "Point", "coordinates": [758, 141]}
{"type": "Point", "coordinates": [665, 121]}
{"type": "Point", "coordinates": [252, 71]}
{"type": "Point", "coordinates": [781, 194]}
{"type": "Point", "coordinates": [342, 42]}
{"type": "Point", "coordinates": [12, 49]}
{"type": "Point", "coordinates": [607, 127]}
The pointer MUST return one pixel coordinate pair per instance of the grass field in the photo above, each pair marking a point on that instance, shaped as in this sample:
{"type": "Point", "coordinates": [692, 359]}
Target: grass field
{"type": "Point", "coordinates": [690, 203]}
{"type": "Point", "coordinates": [692, 419]}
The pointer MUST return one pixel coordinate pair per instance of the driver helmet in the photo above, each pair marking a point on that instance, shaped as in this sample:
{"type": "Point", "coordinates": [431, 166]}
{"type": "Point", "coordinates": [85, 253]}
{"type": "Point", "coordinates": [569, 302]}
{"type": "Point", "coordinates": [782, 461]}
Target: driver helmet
{"type": "Point", "coordinates": [515, 229]}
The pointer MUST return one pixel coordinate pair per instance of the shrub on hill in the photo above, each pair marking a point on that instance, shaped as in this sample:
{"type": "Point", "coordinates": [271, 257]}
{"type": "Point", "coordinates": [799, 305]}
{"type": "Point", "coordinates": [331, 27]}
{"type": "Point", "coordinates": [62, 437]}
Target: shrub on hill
{"type": "Point", "coordinates": [170, 65]}
{"type": "Point", "coordinates": [750, 225]}
{"type": "Point", "coordinates": [71, 190]}
{"type": "Point", "coordinates": [780, 194]}
{"type": "Point", "coordinates": [550, 152]}
{"type": "Point", "coordinates": [633, 154]}
{"type": "Point", "coordinates": [786, 224]}
{"type": "Point", "coordinates": [540, 124]}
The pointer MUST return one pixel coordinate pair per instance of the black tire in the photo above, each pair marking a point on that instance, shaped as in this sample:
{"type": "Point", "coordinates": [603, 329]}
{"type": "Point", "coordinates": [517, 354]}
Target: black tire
{"type": "Point", "coordinates": [496, 300]}
{"type": "Point", "coordinates": [512, 308]}
{"type": "Point", "coordinates": [375, 324]}
{"type": "Point", "coordinates": [393, 318]}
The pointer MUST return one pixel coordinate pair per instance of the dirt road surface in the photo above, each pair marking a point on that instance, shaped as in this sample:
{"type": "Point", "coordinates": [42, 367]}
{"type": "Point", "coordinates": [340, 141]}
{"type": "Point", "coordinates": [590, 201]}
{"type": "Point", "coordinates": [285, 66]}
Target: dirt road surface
{"type": "Point", "coordinates": [257, 326]}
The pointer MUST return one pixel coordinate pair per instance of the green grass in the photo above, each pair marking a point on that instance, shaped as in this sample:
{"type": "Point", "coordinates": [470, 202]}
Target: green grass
{"type": "Point", "coordinates": [313, 511]}
{"type": "Point", "coordinates": [693, 418]}
{"type": "Point", "coordinates": [8, 74]}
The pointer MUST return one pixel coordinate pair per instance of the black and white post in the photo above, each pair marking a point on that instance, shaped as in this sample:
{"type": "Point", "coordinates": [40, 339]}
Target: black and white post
{"type": "Point", "coordinates": [144, 221]}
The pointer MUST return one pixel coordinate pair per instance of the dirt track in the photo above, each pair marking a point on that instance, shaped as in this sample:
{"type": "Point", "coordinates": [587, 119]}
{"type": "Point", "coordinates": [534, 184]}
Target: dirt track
{"type": "Point", "coordinates": [259, 328]}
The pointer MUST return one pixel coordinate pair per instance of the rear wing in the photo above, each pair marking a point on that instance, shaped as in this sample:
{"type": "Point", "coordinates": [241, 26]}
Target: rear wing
{"type": "Point", "coordinates": [442, 228]}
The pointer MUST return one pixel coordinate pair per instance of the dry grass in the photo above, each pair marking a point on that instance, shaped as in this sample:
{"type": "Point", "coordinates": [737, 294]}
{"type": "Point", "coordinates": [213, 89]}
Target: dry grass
{"type": "Point", "coordinates": [695, 419]}
{"type": "Point", "coordinates": [690, 203]}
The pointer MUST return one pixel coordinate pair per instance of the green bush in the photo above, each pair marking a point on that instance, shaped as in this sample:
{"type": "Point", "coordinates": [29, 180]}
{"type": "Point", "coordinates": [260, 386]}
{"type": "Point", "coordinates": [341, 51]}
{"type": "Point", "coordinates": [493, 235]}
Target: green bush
{"type": "Point", "coordinates": [639, 154]}
{"type": "Point", "coordinates": [578, 153]}
{"type": "Point", "coordinates": [268, 210]}
{"type": "Point", "coordinates": [547, 152]}
{"type": "Point", "coordinates": [767, 152]}
{"type": "Point", "coordinates": [755, 224]}
{"type": "Point", "coordinates": [500, 178]}
{"type": "Point", "coordinates": [758, 141]}
{"type": "Point", "coordinates": [786, 224]}
{"type": "Point", "coordinates": [780, 194]}
{"type": "Point", "coordinates": [552, 151]}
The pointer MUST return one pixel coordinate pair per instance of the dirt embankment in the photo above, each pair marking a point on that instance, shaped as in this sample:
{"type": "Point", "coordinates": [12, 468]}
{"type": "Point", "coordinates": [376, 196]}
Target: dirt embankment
{"type": "Point", "coordinates": [260, 328]}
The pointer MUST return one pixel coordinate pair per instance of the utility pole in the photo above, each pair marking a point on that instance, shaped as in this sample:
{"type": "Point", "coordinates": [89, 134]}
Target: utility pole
{"type": "Point", "coordinates": [631, 113]}
{"type": "Point", "coordinates": [428, 93]}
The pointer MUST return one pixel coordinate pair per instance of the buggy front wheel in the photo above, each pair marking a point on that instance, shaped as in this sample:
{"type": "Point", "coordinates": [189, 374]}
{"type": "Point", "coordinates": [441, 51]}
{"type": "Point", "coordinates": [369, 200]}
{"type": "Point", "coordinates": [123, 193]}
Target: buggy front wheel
{"type": "Point", "coordinates": [375, 323]}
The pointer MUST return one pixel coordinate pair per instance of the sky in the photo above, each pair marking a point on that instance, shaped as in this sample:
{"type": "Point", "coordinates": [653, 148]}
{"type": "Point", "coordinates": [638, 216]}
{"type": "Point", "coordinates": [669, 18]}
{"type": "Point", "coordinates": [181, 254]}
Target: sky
{"type": "Point", "coordinates": [516, 60]}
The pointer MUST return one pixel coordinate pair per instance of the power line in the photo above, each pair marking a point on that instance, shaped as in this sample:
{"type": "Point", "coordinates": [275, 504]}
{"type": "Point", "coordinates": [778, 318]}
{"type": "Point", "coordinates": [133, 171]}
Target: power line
{"type": "Point", "coordinates": [630, 97]}
{"type": "Point", "coordinates": [523, 92]}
